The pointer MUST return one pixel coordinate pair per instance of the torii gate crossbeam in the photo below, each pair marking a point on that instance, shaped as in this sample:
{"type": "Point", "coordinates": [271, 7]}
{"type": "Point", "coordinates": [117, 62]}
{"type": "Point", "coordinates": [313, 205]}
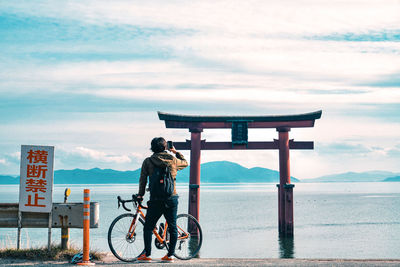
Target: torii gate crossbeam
{"type": "Point", "coordinates": [239, 126]}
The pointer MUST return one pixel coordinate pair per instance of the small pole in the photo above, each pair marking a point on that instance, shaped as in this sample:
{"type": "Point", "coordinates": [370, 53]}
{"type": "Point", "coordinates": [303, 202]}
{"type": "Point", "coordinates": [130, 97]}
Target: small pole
{"type": "Point", "coordinates": [19, 230]}
{"type": "Point", "coordinates": [49, 232]}
{"type": "Point", "coordinates": [86, 227]}
{"type": "Point", "coordinates": [64, 222]}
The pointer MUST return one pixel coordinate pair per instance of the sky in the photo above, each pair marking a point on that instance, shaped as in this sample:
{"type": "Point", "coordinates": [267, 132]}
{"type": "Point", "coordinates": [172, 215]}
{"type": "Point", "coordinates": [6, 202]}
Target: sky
{"type": "Point", "coordinates": [88, 77]}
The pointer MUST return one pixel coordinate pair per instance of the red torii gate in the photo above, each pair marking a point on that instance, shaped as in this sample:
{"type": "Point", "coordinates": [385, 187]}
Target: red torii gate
{"type": "Point", "coordinates": [239, 126]}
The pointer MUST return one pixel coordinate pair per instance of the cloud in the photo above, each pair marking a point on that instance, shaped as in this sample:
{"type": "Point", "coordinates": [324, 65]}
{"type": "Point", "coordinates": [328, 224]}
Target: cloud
{"type": "Point", "coordinates": [240, 17]}
{"type": "Point", "coordinates": [79, 157]}
{"type": "Point", "coordinates": [336, 149]}
{"type": "Point", "coordinates": [142, 80]}
{"type": "Point", "coordinates": [391, 80]}
{"type": "Point", "coordinates": [371, 36]}
{"type": "Point", "coordinates": [9, 162]}
{"type": "Point", "coordinates": [13, 158]}
{"type": "Point", "coordinates": [255, 96]}
{"type": "Point", "coordinates": [83, 157]}
{"type": "Point", "coordinates": [357, 150]}
{"type": "Point", "coordinates": [57, 40]}
{"type": "Point", "coordinates": [102, 156]}
{"type": "Point", "coordinates": [18, 28]}
{"type": "Point", "coordinates": [116, 50]}
{"type": "Point", "coordinates": [394, 152]}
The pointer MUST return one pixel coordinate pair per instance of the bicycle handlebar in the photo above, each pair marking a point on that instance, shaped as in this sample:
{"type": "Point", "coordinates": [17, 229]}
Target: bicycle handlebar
{"type": "Point", "coordinates": [135, 200]}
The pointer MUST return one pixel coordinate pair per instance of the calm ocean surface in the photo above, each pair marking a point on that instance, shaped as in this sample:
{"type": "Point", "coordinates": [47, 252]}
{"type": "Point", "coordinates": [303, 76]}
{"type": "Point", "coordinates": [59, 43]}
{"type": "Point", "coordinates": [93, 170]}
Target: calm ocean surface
{"type": "Point", "coordinates": [332, 220]}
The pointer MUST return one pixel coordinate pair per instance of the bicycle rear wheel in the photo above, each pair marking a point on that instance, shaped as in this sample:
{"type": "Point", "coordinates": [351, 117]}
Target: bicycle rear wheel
{"type": "Point", "coordinates": [123, 245]}
{"type": "Point", "coordinates": [190, 237]}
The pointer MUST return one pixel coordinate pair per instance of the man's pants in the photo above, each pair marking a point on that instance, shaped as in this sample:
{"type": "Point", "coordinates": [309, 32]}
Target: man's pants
{"type": "Point", "coordinates": [169, 209]}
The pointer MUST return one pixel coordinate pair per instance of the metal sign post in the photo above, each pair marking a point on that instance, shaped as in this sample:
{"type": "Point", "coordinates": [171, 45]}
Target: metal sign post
{"type": "Point", "coordinates": [19, 230]}
{"type": "Point", "coordinates": [49, 232]}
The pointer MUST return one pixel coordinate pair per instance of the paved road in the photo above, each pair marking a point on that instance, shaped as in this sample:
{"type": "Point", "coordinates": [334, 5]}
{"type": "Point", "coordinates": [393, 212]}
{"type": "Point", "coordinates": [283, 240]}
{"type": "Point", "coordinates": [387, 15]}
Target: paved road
{"type": "Point", "coordinates": [221, 262]}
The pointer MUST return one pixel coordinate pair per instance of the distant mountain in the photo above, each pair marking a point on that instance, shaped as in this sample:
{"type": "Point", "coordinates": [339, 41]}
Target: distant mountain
{"type": "Point", "coordinates": [229, 172]}
{"type": "Point", "coordinates": [370, 176]}
{"type": "Point", "coordinates": [392, 179]}
{"type": "Point", "coordinates": [211, 172]}
{"type": "Point", "coordinates": [8, 179]}
{"type": "Point", "coordinates": [96, 176]}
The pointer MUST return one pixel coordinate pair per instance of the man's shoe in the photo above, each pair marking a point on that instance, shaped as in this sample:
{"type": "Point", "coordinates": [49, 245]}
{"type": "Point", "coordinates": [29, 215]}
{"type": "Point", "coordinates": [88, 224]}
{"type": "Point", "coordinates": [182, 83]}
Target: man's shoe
{"type": "Point", "coordinates": [167, 259]}
{"type": "Point", "coordinates": [144, 258]}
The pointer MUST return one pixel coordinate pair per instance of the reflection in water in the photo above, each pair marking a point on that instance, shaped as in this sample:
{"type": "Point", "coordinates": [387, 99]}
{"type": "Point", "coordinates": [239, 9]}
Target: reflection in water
{"type": "Point", "coordinates": [286, 246]}
{"type": "Point", "coordinates": [189, 237]}
{"type": "Point", "coordinates": [193, 246]}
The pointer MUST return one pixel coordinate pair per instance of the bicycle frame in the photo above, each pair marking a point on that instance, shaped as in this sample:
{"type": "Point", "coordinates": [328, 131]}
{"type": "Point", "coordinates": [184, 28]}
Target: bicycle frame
{"type": "Point", "coordinates": [141, 215]}
{"type": "Point", "coordinates": [182, 234]}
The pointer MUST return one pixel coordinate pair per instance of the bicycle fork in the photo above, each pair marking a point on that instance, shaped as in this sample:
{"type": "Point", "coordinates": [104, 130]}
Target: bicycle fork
{"type": "Point", "coordinates": [130, 237]}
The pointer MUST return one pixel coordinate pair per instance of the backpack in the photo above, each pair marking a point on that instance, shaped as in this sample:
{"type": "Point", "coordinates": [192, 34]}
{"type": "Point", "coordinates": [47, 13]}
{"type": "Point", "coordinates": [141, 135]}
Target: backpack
{"type": "Point", "coordinates": [161, 184]}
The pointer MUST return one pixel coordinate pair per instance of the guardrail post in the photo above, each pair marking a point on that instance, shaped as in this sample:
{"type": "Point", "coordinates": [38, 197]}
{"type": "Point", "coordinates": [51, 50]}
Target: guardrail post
{"type": "Point", "coordinates": [19, 230]}
{"type": "Point", "coordinates": [49, 232]}
{"type": "Point", "coordinates": [64, 232]}
{"type": "Point", "coordinates": [64, 224]}
{"type": "Point", "coordinates": [86, 228]}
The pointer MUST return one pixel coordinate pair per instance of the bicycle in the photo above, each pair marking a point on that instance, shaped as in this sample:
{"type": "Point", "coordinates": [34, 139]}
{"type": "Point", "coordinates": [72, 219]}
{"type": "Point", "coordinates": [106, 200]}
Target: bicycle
{"type": "Point", "coordinates": [125, 234]}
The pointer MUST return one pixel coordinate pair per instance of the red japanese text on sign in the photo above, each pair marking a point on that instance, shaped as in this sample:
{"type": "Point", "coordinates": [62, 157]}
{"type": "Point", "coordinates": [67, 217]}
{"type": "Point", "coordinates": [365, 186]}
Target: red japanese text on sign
{"type": "Point", "coordinates": [36, 200]}
{"type": "Point", "coordinates": [36, 185]}
{"type": "Point", "coordinates": [38, 171]}
{"type": "Point", "coordinates": [38, 156]}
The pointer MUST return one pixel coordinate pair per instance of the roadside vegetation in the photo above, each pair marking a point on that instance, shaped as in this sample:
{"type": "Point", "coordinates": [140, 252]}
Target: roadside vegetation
{"type": "Point", "coordinates": [40, 254]}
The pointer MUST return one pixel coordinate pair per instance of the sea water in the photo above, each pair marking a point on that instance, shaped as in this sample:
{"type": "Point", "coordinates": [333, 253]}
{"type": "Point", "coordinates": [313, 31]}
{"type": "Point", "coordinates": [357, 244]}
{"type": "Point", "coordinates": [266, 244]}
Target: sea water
{"type": "Point", "coordinates": [331, 220]}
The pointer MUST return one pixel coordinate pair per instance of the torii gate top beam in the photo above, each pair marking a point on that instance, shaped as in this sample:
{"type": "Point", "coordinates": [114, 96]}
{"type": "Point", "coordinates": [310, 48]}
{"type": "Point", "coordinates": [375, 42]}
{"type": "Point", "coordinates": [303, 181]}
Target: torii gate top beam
{"type": "Point", "coordinates": [274, 121]}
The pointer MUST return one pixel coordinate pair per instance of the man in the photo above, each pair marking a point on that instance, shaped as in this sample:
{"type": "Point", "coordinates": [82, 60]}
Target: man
{"type": "Point", "coordinates": [168, 207]}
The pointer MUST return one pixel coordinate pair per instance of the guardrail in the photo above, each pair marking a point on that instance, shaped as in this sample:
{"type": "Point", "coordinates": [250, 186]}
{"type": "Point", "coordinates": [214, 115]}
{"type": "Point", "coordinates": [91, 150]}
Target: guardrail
{"type": "Point", "coordinates": [68, 215]}
{"type": "Point", "coordinates": [63, 215]}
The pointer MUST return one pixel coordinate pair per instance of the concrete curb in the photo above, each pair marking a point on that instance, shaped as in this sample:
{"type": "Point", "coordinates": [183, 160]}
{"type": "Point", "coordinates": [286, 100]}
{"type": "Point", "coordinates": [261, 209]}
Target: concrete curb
{"type": "Point", "coordinates": [220, 262]}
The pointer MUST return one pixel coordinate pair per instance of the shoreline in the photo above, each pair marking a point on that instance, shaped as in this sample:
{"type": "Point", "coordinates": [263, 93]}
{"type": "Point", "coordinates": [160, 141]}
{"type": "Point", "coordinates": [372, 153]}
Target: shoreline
{"type": "Point", "coordinates": [110, 260]}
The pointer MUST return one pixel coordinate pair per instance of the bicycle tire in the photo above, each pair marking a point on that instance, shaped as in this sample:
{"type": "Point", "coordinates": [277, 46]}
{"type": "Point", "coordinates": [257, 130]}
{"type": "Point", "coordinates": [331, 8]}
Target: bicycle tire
{"type": "Point", "coordinates": [188, 248]}
{"type": "Point", "coordinates": [121, 246]}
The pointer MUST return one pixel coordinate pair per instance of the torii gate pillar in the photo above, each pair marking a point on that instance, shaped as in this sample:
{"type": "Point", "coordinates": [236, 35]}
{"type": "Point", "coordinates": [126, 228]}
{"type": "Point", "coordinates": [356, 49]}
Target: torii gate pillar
{"type": "Point", "coordinates": [285, 188]}
{"type": "Point", "coordinates": [194, 180]}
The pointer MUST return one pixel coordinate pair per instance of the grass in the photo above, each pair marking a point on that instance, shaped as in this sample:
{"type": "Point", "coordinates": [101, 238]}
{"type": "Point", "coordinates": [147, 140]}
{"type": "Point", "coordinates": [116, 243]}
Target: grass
{"type": "Point", "coordinates": [55, 253]}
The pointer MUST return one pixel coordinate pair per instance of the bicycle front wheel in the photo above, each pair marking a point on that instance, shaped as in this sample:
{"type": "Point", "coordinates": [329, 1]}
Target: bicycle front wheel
{"type": "Point", "coordinates": [190, 237]}
{"type": "Point", "coordinates": [126, 243]}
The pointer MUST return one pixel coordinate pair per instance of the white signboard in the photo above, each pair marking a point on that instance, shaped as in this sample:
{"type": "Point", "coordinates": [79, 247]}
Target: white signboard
{"type": "Point", "coordinates": [36, 184]}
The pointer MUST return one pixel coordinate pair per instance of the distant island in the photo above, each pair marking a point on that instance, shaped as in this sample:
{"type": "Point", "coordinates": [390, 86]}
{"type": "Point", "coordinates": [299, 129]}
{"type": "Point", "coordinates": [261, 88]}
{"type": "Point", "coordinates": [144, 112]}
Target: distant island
{"type": "Point", "coordinates": [393, 179]}
{"type": "Point", "coordinates": [369, 176]}
{"type": "Point", "coordinates": [211, 172]}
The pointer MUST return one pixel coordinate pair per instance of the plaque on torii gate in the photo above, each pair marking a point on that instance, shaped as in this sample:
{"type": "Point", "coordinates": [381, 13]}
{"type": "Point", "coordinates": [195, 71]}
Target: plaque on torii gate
{"type": "Point", "coordinates": [240, 126]}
